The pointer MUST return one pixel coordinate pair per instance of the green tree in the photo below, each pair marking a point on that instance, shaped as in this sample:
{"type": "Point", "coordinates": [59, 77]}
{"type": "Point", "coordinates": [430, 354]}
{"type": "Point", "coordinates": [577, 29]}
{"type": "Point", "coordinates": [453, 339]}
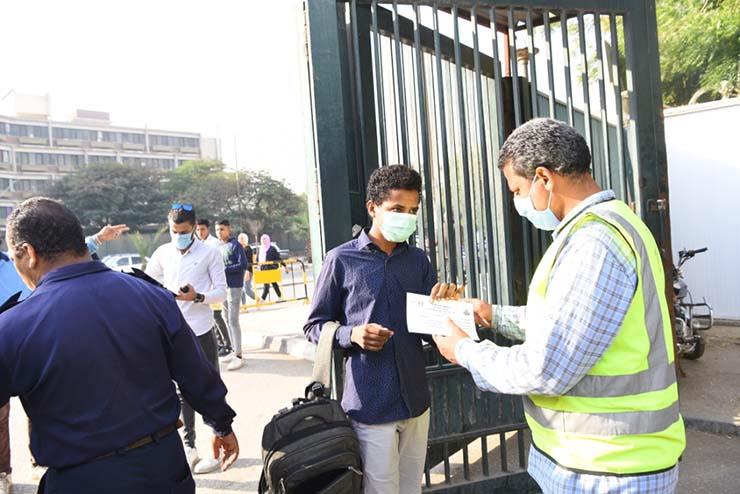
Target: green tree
{"type": "Point", "coordinates": [699, 49]}
{"type": "Point", "coordinates": [113, 193]}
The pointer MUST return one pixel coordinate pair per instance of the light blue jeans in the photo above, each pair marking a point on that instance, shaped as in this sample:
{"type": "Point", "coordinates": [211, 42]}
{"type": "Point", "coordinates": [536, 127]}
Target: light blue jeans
{"type": "Point", "coordinates": [231, 311]}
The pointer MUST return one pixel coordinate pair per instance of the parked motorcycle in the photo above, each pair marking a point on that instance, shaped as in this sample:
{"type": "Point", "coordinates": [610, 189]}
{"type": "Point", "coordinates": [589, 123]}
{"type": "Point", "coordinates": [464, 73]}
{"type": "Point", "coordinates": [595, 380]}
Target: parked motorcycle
{"type": "Point", "coordinates": [690, 317]}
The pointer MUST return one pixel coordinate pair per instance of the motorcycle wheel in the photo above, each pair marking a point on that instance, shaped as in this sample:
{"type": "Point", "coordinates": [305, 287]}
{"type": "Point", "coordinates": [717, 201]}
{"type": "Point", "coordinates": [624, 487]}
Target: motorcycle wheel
{"type": "Point", "coordinates": [697, 351]}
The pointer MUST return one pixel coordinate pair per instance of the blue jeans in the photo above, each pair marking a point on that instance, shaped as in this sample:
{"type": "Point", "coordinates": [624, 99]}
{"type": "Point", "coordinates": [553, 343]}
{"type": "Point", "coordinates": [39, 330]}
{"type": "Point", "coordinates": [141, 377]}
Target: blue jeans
{"type": "Point", "coordinates": [247, 291]}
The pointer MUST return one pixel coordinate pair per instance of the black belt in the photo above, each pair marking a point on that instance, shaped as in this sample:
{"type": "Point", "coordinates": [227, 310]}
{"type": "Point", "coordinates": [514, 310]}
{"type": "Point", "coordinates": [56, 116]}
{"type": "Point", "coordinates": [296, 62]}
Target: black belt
{"type": "Point", "coordinates": [151, 438]}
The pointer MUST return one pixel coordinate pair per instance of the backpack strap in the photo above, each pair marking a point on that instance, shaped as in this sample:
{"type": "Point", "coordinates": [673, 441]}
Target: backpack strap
{"type": "Point", "coordinates": [322, 365]}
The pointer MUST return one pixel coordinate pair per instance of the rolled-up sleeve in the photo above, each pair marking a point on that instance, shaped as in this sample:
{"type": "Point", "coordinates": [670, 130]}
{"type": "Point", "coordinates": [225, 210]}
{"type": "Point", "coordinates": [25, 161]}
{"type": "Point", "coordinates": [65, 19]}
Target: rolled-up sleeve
{"type": "Point", "coordinates": [327, 304]}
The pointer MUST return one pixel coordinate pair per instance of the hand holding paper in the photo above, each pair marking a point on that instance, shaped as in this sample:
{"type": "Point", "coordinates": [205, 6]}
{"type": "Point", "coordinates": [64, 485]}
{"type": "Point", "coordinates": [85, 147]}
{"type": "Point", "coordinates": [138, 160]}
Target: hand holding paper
{"type": "Point", "coordinates": [426, 317]}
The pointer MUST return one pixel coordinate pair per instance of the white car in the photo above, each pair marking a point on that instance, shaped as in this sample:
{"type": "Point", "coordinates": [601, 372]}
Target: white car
{"type": "Point", "coordinates": [124, 262]}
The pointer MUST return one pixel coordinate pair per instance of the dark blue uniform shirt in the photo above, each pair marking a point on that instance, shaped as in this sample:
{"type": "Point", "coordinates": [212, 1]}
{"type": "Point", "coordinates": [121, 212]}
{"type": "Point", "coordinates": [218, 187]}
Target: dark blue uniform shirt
{"type": "Point", "coordinates": [93, 353]}
{"type": "Point", "coordinates": [360, 284]}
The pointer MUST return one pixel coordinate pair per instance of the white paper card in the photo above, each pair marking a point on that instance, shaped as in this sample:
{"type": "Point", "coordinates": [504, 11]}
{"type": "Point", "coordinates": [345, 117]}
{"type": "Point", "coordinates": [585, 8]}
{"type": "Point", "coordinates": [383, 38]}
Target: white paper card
{"type": "Point", "coordinates": [425, 317]}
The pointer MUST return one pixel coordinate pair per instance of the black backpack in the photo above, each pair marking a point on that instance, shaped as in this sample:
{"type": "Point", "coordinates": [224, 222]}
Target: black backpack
{"type": "Point", "coordinates": [311, 448]}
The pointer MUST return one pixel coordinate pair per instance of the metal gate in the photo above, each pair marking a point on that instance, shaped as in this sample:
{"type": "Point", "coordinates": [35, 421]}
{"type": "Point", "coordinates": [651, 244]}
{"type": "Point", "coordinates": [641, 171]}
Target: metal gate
{"type": "Point", "coordinates": [438, 85]}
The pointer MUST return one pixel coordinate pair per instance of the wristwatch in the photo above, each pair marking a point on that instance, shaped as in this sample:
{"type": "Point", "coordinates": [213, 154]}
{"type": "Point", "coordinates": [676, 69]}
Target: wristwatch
{"type": "Point", "coordinates": [199, 298]}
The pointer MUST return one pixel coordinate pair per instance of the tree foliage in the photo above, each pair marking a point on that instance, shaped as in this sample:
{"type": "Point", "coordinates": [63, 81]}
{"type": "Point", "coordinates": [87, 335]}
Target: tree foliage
{"type": "Point", "coordinates": [113, 193]}
{"type": "Point", "coordinates": [140, 197]}
{"type": "Point", "coordinates": [699, 48]}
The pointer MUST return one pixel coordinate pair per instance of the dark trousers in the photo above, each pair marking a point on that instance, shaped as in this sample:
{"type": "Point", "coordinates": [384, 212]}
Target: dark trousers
{"type": "Point", "coordinates": [266, 290]}
{"type": "Point", "coordinates": [208, 344]}
{"type": "Point", "coordinates": [222, 331]}
{"type": "Point", "coordinates": [5, 439]}
{"type": "Point", "coordinates": [156, 468]}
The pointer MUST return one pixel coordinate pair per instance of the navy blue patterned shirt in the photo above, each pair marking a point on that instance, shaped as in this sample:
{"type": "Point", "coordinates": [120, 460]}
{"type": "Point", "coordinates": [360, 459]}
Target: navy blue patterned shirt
{"type": "Point", "coordinates": [360, 284]}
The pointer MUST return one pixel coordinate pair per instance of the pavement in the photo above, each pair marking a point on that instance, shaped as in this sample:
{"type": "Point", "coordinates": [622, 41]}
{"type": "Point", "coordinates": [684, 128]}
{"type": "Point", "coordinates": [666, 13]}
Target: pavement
{"type": "Point", "coordinates": [279, 366]}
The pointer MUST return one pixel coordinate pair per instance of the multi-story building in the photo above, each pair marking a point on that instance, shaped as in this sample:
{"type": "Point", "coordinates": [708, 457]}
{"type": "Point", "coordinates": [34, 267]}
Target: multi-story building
{"type": "Point", "coordinates": [35, 150]}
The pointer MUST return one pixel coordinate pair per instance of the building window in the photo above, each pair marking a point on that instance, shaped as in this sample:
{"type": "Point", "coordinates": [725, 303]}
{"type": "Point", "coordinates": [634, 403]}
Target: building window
{"type": "Point", "coordinates": [25, 158]}
{"type": "Point", "coordinates": [4, 183]}
{"type": "Point", "coordinates": [4, 156]}
{"type": "Point", "coordinates": [5, 210]}
{"type": "Point", "coordinates": [28, 131]}
{"type": "Point", "coordinates": [100, 160]}
{"type": "Point", "coordinates": [30, 185]}
{"type": "Point", "coordinates": [77, 134]}
{"type": "Point", "coordinates": [132, 138]}
{"type": "Point", "coordinates": [174, 141]}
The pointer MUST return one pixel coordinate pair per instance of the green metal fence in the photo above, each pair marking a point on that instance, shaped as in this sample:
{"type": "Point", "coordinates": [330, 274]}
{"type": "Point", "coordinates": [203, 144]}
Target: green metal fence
{"type": "Point", "coordinates": [438, 85]}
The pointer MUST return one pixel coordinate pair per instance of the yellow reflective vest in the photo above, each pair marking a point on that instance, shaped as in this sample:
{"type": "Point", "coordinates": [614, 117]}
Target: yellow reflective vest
{"type": "Point", "coordinates": [623, 416]}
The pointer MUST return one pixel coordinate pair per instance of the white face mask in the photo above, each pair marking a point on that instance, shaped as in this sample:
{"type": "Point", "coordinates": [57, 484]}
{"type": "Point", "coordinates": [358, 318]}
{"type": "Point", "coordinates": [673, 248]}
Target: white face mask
{"type": "Point", "coordinates": [544, 220]}
{"type": "Point", "coordinates": [398, 227]}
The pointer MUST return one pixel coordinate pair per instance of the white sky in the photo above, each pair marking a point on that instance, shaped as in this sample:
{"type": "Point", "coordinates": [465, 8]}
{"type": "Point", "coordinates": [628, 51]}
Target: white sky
{"type": "Point", "coordinates": [217, 67]}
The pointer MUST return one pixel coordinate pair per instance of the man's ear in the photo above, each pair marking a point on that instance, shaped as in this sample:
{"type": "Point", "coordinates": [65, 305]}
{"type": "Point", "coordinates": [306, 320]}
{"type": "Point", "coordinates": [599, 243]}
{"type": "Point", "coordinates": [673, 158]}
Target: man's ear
{"type": "Point", "coordinates": [28, 254]}
{"type": "Point", "coordinates": [370, 208]}
{"type": "Point", "coordinates": [547, 176]}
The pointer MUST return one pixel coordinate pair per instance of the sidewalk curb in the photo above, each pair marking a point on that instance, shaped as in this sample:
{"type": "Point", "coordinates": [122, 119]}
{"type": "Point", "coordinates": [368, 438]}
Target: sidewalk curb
{"type": "Point", "coordinates": [289, 344]}
{"type": "Point", "coordinates": [712, 426]}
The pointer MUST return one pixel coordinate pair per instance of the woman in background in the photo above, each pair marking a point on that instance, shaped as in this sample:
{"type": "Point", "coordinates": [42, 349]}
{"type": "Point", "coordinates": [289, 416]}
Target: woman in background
{"type": "Point", "coordinates": [268, 253]}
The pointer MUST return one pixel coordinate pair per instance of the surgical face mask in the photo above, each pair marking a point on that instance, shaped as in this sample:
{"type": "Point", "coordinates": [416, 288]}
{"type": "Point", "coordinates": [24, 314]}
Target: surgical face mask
{"type": "Point", "coordinates": [182, 240]}
{"type": "Point", "coordinates": [544, 220]}
{"type": "Point", "coordinates": [397, 227]}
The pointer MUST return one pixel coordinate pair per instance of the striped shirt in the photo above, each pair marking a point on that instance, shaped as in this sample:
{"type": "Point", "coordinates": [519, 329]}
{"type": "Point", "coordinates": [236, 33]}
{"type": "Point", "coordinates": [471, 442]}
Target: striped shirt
{"type": "Point", "coordinates": [589, 292]}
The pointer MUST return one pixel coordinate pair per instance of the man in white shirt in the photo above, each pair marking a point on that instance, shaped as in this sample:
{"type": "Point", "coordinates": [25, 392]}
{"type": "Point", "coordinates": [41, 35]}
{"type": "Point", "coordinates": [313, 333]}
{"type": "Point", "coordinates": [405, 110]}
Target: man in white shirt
{"type": "Point", "coordinates": [195, 272]}
{"type": "Point", "coordinates": [203, 230]}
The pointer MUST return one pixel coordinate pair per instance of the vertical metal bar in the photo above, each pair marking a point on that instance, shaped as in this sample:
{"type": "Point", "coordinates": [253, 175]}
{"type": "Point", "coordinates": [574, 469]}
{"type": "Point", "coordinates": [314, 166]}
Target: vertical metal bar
{"type": "Point", "coordinates": [566, 67]}
{"type": "Point", "coordinates": [400, 82]}
{"type": "Point", "coordinates": [518, 117]}
{"type": "Point", "coordinates": [505, 259]}
{"type": "Point", "coordinates": [504, 453]}
{"type": "Point", "coordinates": [486, 185]}
{"type": "Point", "coordinates": [484, 456]}
{"type": "Point", "coordinates": [358, 82]}
{"type": "Point", "coordinates": [584, 81]}
{"type": "Point", "coordinates": [532, 66]}
{"type": "Point", "coordinates": [602, 99]}
{"type": "Point", "coordinates": [446, 454]}
{"type": "Point", "coordinates": [520, 447]}
{"type": "Point", "coordinates": [466, 463]}
{"type": "Point", "coordinates": [427, 474]}
{"type": "Point", "coordinates": [379, 85]}
{"type": "Point", "coordinates": [472, 279]}
{"type": "Point", "coordinates": [450, 223]}
{"type": "Point", "coordinates": [550, 74]}
{"type": "Point", "coordinates": [424, 135]}
{"type": "Point", "coordinates": [619, 127]}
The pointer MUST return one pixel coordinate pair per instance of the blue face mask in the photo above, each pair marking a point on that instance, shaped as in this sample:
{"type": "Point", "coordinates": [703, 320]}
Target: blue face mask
{"type": "Point", "coordinates": [398, 227]}
{"type": "Point", "coordinates": [544, 220]}
{"type": "Point", "coordinates": [182, 240]}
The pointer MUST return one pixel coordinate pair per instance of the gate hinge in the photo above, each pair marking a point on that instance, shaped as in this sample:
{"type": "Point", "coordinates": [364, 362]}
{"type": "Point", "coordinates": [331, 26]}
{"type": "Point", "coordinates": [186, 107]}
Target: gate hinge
{"type": "Point", "coordinates": [657, 205]}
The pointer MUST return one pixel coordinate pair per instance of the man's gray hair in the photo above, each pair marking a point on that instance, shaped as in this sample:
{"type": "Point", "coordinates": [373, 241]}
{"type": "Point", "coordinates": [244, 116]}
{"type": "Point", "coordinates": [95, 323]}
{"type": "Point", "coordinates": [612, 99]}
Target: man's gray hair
{"type": "Point", "coordinates": [546, 142]}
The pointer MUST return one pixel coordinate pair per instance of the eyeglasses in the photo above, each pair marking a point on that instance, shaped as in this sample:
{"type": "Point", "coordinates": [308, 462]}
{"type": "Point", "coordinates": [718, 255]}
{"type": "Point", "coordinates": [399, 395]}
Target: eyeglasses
{"type": "Point", "coordinates": [185, 207]}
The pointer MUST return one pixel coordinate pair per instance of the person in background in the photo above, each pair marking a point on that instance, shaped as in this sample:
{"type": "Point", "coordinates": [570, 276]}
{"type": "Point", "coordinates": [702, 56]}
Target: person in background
{"type": "Point", "coordinates": [248, 291]}
{"type": "Point", "coordinates": [195, 272]}
{"type": "Point", "coordinates": [363, 286]}
{"type": "Point", "coordinates": [235, 262]}
{"type": "Point", "coordinates": [202, 229]}
{"type": "Point", "coordinates": [10, 284]}
{"type": "Point", "coordinates": [268, 253]}
{"type": "Point", "coordinates": [106, 422]}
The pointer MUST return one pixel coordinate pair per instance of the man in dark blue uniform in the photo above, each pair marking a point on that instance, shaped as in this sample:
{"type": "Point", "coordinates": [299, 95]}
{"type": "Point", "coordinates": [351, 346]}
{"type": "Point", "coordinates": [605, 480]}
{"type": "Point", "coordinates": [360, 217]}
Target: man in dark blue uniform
{"type": "Point", "coordinates": [93, 353]}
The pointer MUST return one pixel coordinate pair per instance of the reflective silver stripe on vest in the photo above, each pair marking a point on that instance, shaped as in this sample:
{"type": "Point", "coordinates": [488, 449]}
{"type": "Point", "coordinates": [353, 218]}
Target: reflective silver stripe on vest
{"type": "Point", "coordinates": [660, 373]}
{"type": "Point", "coordinates": [604, 424]}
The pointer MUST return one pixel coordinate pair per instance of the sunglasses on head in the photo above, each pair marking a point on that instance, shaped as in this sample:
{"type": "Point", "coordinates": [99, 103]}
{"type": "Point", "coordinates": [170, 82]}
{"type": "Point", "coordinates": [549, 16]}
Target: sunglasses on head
{"type": "Point", "coordinates": [185, 207]}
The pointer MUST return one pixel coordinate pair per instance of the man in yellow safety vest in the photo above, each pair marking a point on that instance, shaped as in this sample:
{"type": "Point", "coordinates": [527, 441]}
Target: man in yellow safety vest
{"type": "Point", "coordinates": [596, 362]}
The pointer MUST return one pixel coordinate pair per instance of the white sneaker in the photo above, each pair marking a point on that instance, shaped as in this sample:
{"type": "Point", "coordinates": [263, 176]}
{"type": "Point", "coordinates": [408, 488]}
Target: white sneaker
{"type": "Point", "coordinates": [37, 471]}
{"type": "Point", "coordinates": [206, 465]}
{"type": "Point", "coordinates": [226, 358]}
{"type": "Point", "coordinates": [236, 363]}
{"type": "Point", "coordinates": [6, 485]}
{"type": "Point", "coordinates": [191, 456]}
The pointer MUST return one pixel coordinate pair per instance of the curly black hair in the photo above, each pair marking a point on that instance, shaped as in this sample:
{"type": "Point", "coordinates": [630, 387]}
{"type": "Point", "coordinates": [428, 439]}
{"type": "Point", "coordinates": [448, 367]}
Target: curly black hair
{"type": "Point", "coordinates": [392, 177]}
{"type": "Point", "coordinates": [49, 226]}
{"type": "Point", "coordinates": [546, 142]}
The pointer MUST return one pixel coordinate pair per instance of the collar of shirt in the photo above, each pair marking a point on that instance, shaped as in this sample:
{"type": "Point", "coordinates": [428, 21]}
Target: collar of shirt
{"type": "Point", "coordinates": [364, 242]}
{"type": "Point", "coordinates": [72, 271]}
{"type": "Point", "coordinates": [592, 200]}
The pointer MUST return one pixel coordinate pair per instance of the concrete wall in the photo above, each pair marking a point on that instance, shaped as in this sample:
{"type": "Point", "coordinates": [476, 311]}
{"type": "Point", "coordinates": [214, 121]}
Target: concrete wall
{"type": "Point", "coordinates": [704, 178]}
